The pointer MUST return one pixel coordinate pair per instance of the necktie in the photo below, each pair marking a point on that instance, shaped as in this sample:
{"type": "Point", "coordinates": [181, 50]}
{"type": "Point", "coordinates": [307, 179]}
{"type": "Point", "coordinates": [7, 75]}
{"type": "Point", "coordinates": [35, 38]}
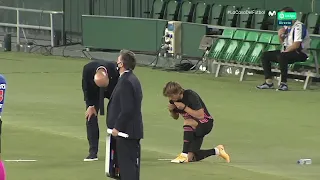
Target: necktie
{"type": "Point", "coordinates": [101, 101]}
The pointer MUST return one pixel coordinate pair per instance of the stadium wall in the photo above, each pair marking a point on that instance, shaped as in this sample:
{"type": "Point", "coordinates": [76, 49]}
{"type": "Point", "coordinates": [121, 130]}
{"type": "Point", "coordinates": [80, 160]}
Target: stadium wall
{"type": "Point", "coordinates": [128, 8]}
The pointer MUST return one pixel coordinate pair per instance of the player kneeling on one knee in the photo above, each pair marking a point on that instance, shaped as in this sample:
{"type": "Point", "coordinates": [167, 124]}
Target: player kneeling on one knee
{"type": "Point", "coordinates": [197, 123]}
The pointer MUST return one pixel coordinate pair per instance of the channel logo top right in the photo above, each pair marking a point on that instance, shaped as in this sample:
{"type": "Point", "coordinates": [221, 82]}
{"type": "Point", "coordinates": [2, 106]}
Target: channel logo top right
{"type": "Point", "coordinates": [284, 18]}
{"type": "Point", "coordinates": [272, 13]}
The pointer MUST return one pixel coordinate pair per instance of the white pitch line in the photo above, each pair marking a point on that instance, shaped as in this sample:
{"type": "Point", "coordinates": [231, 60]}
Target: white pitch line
{"type": "Point", "coordinates": [164, 159]}
{"type": "Point", "coordinates": [21, 160]}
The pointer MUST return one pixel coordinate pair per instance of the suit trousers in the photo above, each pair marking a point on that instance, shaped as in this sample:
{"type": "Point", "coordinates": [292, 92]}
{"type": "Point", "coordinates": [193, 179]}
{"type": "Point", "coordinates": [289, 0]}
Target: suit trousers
{"type": "Point", "coordinates": [93, 133]}
{"type": "Point", "coordinates": [283, 59]}
{"type": "Point", "coordinates": [129, 153]}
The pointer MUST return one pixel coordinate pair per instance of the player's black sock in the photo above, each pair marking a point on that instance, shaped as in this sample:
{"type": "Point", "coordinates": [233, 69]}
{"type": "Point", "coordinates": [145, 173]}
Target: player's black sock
{"type": "Point", "coordinates": [202, 154]}
{"type": "Point", "coordinates": [187, 137]}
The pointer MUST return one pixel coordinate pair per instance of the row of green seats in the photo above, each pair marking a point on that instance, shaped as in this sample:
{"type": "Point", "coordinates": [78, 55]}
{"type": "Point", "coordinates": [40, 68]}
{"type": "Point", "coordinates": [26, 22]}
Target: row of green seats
{"type": "Point", "coordinates": [201, 12]}
{"type": "Point", "coordinates": [217, 14]}
{"type": "Point", "coordinates": [185, 11]}
{"type": "Point", "coordinates": [245, 47]}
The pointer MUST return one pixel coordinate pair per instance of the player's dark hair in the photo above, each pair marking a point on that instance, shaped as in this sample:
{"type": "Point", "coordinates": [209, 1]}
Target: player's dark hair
{"type": "Point", "coordinates": [287, 9]}
{"type": "Point", "coordinates": [172, 88]}
{"type": "Point", "coordinates": [128, 59]}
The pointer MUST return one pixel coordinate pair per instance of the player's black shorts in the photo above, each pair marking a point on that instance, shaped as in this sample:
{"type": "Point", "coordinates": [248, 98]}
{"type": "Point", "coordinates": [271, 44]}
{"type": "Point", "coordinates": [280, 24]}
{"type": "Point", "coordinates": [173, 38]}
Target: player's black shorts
{"type": "Point", "coordinates": [202, 130]}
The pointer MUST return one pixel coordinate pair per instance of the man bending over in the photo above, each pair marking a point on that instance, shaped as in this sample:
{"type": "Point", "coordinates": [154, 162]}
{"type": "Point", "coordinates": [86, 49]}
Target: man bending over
{"type": "Point", "coordinates": [197, 123]}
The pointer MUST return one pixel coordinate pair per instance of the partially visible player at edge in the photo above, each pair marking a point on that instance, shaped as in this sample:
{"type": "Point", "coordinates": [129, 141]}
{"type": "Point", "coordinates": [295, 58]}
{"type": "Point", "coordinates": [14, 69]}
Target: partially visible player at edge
{"type": "Point", "coordinates": [197, 123]}
{"type": "Point", "coordinates": [99, 78]}
{"type": "Point", "coordinates": [3, 84]}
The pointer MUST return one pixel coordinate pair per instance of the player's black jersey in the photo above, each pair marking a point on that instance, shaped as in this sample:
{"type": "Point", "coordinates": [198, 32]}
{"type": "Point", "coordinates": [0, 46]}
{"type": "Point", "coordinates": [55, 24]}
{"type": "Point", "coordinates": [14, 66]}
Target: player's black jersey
{"type": "Point", "coordinates": [193, 101]}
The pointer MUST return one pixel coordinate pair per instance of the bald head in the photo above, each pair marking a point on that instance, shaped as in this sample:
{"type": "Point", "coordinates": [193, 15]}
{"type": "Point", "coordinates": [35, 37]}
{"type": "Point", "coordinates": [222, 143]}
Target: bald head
{"type": "Point", "coordinates": [101, 78]}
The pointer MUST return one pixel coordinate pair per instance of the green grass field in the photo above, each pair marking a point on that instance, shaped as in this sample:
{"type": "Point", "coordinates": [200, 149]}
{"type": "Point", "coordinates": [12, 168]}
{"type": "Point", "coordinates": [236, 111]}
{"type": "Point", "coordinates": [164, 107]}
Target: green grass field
{"type": "Point", "coordinates": [265, 132]}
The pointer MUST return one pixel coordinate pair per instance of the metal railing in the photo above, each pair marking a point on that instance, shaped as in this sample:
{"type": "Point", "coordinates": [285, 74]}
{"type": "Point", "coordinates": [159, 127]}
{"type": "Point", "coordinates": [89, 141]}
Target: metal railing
{"type": "Point", "coordinates": [18, 25]}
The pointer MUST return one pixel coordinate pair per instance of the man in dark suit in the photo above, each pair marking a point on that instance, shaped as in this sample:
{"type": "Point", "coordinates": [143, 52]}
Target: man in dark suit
{"type": "Point", "coordinates": [99, 78]}
{"type": "Point", "coordinates": [124, 115]}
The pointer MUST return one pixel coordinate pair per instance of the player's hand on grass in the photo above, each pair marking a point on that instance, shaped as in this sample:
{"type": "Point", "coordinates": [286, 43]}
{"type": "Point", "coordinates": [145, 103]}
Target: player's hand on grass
{"type": "Point", "coordinates": [180, 105]}
{"type": "Point", "coordinates": [91, 111]}
{"type": "Point", "coordinates": [115, 132]}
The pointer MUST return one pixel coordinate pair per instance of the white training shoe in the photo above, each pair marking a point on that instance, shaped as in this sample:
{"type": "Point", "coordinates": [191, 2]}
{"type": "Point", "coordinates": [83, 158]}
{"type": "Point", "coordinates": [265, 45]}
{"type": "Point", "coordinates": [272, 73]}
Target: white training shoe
{"type": "Point", "coordinates": [182, 158]}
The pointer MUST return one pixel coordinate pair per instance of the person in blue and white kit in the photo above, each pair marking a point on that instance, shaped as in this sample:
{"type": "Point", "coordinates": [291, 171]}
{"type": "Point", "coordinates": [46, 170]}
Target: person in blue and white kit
{"type": "Point", "coordinates": [296, 41]}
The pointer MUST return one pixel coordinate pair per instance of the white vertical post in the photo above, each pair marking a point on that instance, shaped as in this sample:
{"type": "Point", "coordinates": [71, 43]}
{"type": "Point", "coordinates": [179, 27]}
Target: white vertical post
{"type": "Point", "coordinates": [52, 31]}
{"type": "Point", "coordinates": [316, 64]}
{"type": "Point", "coordinates": [18, 27]}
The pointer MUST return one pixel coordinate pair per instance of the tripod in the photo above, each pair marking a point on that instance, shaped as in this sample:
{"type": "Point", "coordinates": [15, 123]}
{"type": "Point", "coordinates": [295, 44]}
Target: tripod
{"type": "Point", "coordinates": [202, 62]}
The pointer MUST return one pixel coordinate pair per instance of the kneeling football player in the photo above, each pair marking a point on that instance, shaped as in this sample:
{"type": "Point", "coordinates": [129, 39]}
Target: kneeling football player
{"type": "Point", "coordinates": [197, 123]}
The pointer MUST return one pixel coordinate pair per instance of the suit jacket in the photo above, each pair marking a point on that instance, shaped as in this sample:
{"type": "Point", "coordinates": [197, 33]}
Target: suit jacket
{"type": "Point", "coordinates": [90, 89]}
{"type": "Point", "coordinates": [124, 107]}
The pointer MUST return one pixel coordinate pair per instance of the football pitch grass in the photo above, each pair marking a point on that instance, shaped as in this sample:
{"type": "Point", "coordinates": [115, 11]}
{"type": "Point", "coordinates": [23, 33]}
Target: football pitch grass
{"type": "Point", "coordinates": [265, 132]}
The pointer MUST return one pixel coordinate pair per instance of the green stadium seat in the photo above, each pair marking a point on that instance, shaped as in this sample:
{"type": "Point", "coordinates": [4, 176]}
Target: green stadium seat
{"type": "Point", "coordinates": [263, 20]}
{"type": "Point", "coordinates": [259, 47]}
{"type": "Point", "coordinates": [301, 17]}
{"type": "Point", "coordinates": [172, 10]}
{"type": "Point", "coordinates": [186, 12]}
{"type": "Point", "coordinates": [273, 47]}
{"type": "Point", "coordinates": [312, 22]}
{"type": "Point", "coordinates": [201, 13]}
{"type": "Point", "coordinates": [276, 24]}
{"type": "Point", "coordinates": [233, 45]}
{"type": "Point", "coordinates": [158, 9]}
{"type": "Point", "coordinates": [216, 14]}
{"type": "Point", "coordinates": [230, 19]}
{"type": "Point", "coordinates": [246, 46]}
{"type": "Point", "coordinates": [310, 62]}
{"type": "Point", "coordinates": [270, 22]}
{"type": "Point", "coordinates": [274, 44]}
{"type": "Point", "coordinates": [244, 20]}
{"type": "Point", "coordinates": [220, 43]}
